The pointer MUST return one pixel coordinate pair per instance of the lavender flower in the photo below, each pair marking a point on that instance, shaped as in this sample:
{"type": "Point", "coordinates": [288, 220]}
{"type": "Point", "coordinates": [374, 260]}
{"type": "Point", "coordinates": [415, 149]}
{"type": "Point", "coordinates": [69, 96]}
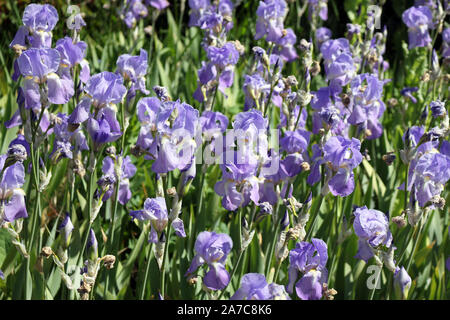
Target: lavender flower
{"type": "Point", "coordinates": [255, 287]}
{"type": "Point", "coordinates": [430, 174]}
{"type": "Point", "coordinates": [39, 67]}
{"type": "Point", "coordinates": [318, 8]}
{"type": "Point", "coordinates": [372, 228]}
{"type": "Point", "coordinates": [438, 109]}
{"type": "Point", "coordinates": [39, 21]}
{"type": "Point", "coordinates": [12, 197]}
{"type": "Point", "coordinates": [177, 124]}
{"type": "Point", "coordinates": [134, 69]}
{"type": "Point", "coordinates": [367, 105]}
{"type": "Point", "coordinates": [310, 260]}
{"type": "Point", "coordinates": [271, 14]}
{"type": "Point", "coordinates": [66, 227]}
{"type": "Point", "coordinates": [92, 245]}
{"type": "Point", "coordinates": [155, 210]}
{"type": "Point", "coordinates": [342, 156]}
{"type": "Point", "coordinates": [418, 19]}
{"type": "Point", "coordinates": [212, 249]}
{"type": "Point", "coordinates": [402, 282]}
{"type": "Point", "coordinates": [126, 171]}
{"type": "Point", "coordinates": [104, 129]}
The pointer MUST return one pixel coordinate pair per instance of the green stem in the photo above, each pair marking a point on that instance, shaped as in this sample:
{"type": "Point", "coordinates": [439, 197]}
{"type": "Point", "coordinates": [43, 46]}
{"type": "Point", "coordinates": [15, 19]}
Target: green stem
{"type": "Point", "coordinates": [147, 269]}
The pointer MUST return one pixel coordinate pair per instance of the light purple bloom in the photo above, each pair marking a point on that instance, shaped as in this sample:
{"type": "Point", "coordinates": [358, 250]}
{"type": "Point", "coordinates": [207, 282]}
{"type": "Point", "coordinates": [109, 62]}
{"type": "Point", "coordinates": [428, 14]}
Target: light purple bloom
{"type": "Point", "coordinates": [271, 14]}
{"type": "Point", "coordinates": [134, 68]}
{"type": "Point", "coordinates": [418, 19]}
{"type": "Point", "coordinates": [367, 105]}
{"type": "Point", "coordinates": [39, 66]}
{"type": "Point", "coordinates": [12, 197]}
{"type": "Point", "coordinates": [66, 227]}
{"type": "Point", "coordinates": [212, 248]}
{"type": "Point", "coordinates": [39, 21]}
{"type": "Point", "coordinates": [402, 282]}
{"type": "Point", "coordinates": [127, 171]}
{"type": "Point", "coordinates": [253, 287]}
{"type": "Point", "coordinates": [430, 174]}
{"type": "Point", "coordinates": [438, 108]}
{"type": "Point", "coordinates": [318, 8]}
{"type": "Point", "coordinates": [176, 144]}
{"type": "Point", "coordinates": [309, 259]}
{"type": "Point", "coordinates": [92, 244]}
{"type": "Point", "coordinates": [343, 156]}
{"type": "Point", "coordinates": [155, 210]}
{"type": "Point", "coordinates": [372, 228]}
{"type": "Point", "coordinates": [105, 128]}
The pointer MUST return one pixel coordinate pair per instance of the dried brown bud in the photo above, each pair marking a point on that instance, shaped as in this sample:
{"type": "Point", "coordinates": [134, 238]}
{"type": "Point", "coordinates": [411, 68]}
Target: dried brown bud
{"type": "Point", "coordinates": [192, 281]}
{"type": "Point", "coordinates": [171, 192]}
{"type": "Point", "coordinates": [389, 158]}
{"type": "Point", "coordinates": [345, 98]}
{"type": "Point", "coordinates": [392, 102]}
{"type": "Point", "coordinates": [108, 261]}
{"type": "Point", "coordinates": [18, 49]}
{"type": "Point", "coordinates": [315, 69]}
{"type": "Point", "coordinates": [84, 290]}
{"type": "Point", "coordinates": [425, 77]}
{"type": "Point", "coordinates": [328, 293]}
{"type": "Point", "coordinates": [46, 252]}
{"type": "Point", "coordinates": [400, 221]}
{"type": "Point", "coordinates": [305, 166]}
{"type": "Point", "coordinates": [290, 81]}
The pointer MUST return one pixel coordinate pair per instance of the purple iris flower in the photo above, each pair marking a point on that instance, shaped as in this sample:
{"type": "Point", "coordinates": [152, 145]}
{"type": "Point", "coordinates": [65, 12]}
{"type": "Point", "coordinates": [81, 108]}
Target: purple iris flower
{"type": "Point", "coordinates": [213, 249]}
{"type": "Point", "coordinates": [220, 68]}
{"type": "Point", "coordinates": [341, 70]}
{"type": "Point", "coordinates": [407, 93]}
{"type": "Point", "coordinates": [372, 228]}
{"type": "Point", "coordinates": [239, 184]}
{"type": "Point", "coordinates": [177, 126]}
{"type": "Point", "coordinates": [134, 10]}
{"type": "Point", "coordinates": [368, 107]}
{"type": "Point", "coordinates": [318, 8]}
{"type": "Point", "coordinates": [418, 19]}
{"type": "Point", "coordinates": [286, 46]}
{"type": "Point", "coordinates": [72, 54]}
{"type": "Point", "coordinates": [198, 7]}
{"type": "Point", "coordinates": [438, 108]}
{"type": "Point", "coordinates": [322, 34]}
{"type": "Point", "coordinates": [92, 244]}
{"type": "Point", "coordinates": [104, 129]}
{"type": "Point", "coordinates": [446, 43]}
{"type": "Point", "coordinates": [295, 144]}
{"type": "Point", "coordinates": [254, 87]}
{"type": "Point", "coordinates": [102, 90]}
{"type": "Point", "coordinates": [147, 112]}
{"type": "Point", "coordinates": [155, 210]}
{"type": "Point", "coordinates": [271, 14]}
{"type": "Point", "coordinates": [134, 68]}
{"type": "Point", "coordinates": [12, 197]}
{"type": "Point", "coordinates": [402, 282]}
{"type": "Point", "coordinates": [333, 48]}
{"type": "Point", "coordinates": [310, 259]}
{"type": "Point", "coordinates": [158, 4]}
{"type": "Point", "coordinates": [39, 21]}
{"type": "Point", "coordinates": [342, 155]}
{"type": "Point", "coordinates": [66, 227]}
{"type": "Point", "coordinates": [255, 287]}
{"type": "Point", "coordinates": [2, 275]}
{"type": "Point", "coordinates": [430, 174]}
{"type": "Point", "coordinates": [127, 171]}
{"type": "Point", "coordinates": [39, 67]}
